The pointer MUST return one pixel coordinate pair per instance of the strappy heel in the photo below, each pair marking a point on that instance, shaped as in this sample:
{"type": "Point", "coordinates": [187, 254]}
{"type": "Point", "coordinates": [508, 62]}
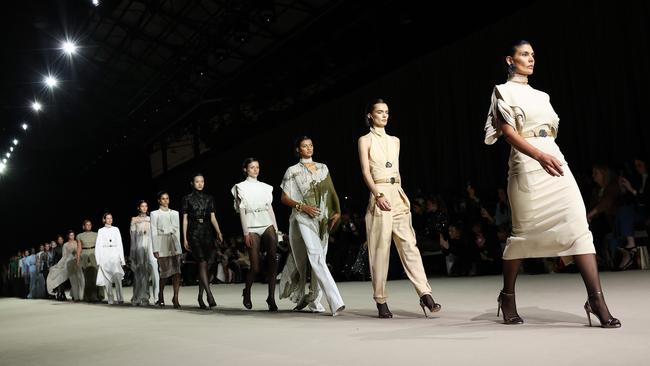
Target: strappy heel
{"type": "Point", "coordinates": [427, 302]}
{"type": "Point", "coordinates": [509, 319]}
{"type": "Point", "coordinates": [609, 323]}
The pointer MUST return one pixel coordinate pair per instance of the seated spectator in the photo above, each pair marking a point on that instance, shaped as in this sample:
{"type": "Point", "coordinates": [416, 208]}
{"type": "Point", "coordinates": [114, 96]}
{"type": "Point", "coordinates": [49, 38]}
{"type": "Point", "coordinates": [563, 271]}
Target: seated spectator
{"type": "Point", "coordinates": [456, 251]}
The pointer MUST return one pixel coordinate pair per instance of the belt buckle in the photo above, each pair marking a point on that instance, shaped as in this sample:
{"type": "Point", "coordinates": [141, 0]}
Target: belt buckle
{"type": "Point", "coordinates": [392, 180]}
{"type": "Point", "coordinates": [200, 221]}
{"type": "Point", "coordinates": [543, 133]}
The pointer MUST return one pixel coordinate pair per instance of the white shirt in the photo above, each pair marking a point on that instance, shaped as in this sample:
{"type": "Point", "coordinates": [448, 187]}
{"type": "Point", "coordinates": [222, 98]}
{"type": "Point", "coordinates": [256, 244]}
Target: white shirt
{"type": "Point", "coordinates": [254, 198]}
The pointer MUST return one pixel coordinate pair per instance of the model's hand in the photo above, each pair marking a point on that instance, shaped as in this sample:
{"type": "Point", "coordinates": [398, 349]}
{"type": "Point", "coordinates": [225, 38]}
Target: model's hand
{"type": "Point", "coordinates": [248, 240]}
{"type": "Point", "coordinates": [219, 237]}
{"type": "Point", "coordinates": [156, 254]}
{"type": "Point", "coordinates": [383, 204]}
{"type": "Point", "coordinates": [333, 220]}
{"type": "Point", "coordinates": [186, 245]}
{"type": "Point", "coordinates": [312, 211]}
{"type": "Point", "coordinates": [550, 164]}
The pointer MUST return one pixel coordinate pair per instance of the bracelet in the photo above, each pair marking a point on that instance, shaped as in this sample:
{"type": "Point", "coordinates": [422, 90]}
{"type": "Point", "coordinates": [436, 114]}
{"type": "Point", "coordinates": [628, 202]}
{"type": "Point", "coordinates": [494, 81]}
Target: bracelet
{"type": "Point", "coordinates": [379, 195]}
{"type": "Point", "coordinates": [298, 207]}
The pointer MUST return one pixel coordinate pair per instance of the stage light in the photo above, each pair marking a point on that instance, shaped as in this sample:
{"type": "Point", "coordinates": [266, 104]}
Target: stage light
{"type": "Point", "coordinates": [25, 126]}
{"type": "Point", "coordinates": [15, 142]}
{"type": "Point", "coordinates": [2, 167]}
{"type": "Point", "coordinates": [4, 160]}
{"type": "Point", "coordinates": [69, 47]}
{"type": "Point", "coordinates": [96, 2]}
{"type": "Point", "coordinates": [11, 148]}
{"type": "Point", "coordinates": [8, 155]}
{"type": "Point", "coordinates": [50, 81]}
{"type": "Point", "coordinates": [37, 106]}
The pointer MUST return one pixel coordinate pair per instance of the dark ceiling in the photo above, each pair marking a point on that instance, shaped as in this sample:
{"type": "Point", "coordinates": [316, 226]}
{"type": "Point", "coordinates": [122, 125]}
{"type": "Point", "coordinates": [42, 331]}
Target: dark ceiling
{"type": "Point", "coordinates": [151, 70]}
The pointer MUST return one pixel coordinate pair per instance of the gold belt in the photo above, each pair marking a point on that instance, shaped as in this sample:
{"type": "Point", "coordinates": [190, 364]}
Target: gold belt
{"type": "Point", "coordinates": [391, 180]}
{"type": "Point", "coordinates": [543, 131]}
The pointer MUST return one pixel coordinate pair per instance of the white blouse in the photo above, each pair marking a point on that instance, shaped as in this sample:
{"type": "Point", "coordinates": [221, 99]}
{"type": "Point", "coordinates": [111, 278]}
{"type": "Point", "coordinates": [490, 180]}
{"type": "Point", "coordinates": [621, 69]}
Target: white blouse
{"type": "Point", "coordinates": [254, 198]}
{"type": "Point", "coordinates": [526, 110]}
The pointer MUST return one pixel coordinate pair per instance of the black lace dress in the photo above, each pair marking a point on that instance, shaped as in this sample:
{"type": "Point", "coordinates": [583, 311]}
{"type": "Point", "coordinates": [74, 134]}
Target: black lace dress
{"type": "Point", "coordinates": [200, 233]}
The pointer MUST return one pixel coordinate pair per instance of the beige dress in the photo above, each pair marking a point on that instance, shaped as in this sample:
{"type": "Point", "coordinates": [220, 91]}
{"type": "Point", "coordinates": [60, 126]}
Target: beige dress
{"type": "Point", "coordinates": [548, 215]}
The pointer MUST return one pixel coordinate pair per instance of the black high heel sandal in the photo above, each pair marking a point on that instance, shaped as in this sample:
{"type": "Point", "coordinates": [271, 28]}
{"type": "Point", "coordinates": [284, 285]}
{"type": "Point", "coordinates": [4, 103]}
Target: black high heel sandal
{"type": "Point", "coordinates": [248, 304]}
{"type": "Point", "coordinates": [272, 305]}
{"type": "Point", "coordinates": [426, 301]}
{"type": "Point", "coordinates": [609, 323]}
{"type": "Point", "coordinates": [383, 311]}
{"type": "Point", "coordinates": [201, 303]}
{"type": "Point", "coordinates": [512, 318]}
{"type": "Point", "coordinates": [211, 301]}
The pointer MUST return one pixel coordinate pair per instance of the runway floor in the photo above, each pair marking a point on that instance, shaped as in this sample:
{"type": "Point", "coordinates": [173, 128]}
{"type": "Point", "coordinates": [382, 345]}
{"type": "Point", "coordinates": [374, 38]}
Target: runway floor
{"type": "Point", "coordinates": [466, 331]}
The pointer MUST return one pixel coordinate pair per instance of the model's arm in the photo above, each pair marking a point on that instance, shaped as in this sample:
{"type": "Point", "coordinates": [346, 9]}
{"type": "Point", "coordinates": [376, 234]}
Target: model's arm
{"type": "Point", "coordinates": [548, 162]}
{"type": "Point", "coordinates": [78, 257]}
{"type": "Point", "coordinates": [99, 246]}
{"type": "Point", "coordinates": [121, 246]}
{"type": "Point", "coordinates": [133, 235]}
{"type": "Point", "coordinates": [155, 244]}
{"type": "Point", "coordinates": [248, 241]}
{"type": "Point", "coordinates": [213, 220]}
{"type": "Point", "coordinates": [185, 243]}
{"type": "Point", "coordinates": [309, 210]}
{"type": "Point", "coordinates": [364, 152]}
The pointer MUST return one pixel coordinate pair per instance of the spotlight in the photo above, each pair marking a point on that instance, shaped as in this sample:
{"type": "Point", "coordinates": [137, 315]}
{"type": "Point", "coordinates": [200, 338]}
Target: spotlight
{"type": "Point", "coordinates": [8, 155]}
{"type": "Point", "coordinates": [69, 47]}
{"type": "Point", "coordinates": [4, 161]}
{"type": "Point", "coordinates": [25, 126]}
{"type": "Point", "coordinates": [15, 142]}
{"type": "Point", "coordinates": [11, 148]}
{"type": "Point", "coordinates": [37, 106]}
{"type": "Point", "coordinates": [2, 167]}
{"type": "Point", "coordinates": [96, 2]}
{"type": "Point", "coordinates": [50, 81]}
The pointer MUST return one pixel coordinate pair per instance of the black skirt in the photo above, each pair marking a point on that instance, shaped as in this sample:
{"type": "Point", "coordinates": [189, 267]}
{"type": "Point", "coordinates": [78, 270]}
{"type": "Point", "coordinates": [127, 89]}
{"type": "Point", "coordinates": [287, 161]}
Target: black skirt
{"type": "Point", "coordinates": [201, 240]}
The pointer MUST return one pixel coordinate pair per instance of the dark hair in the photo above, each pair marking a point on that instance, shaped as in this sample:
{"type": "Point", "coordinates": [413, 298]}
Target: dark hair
{"type": "Point", "coordinates": [512, 50]}
{"type": "Point", "coordinates": [140, 204]}
{"type": "Point", "coordinates": [85, 221]}
{"type": "Point", "coordinates": [244, 165]}
{"type": "Point", "coordinates": [299, 141]}
{"type": "Point", "coordinates": [70, 232]}
{"type": "Point", "coordinates": [106, 214]}
{"type": "Point", "coordinates": [515, 45]}
{"type": "Point", "coordinates": [370, 106]}
{"type": "Point", "coordinates": [160, 194]}
{"type": "Point", "coordinates": [197, 174]}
